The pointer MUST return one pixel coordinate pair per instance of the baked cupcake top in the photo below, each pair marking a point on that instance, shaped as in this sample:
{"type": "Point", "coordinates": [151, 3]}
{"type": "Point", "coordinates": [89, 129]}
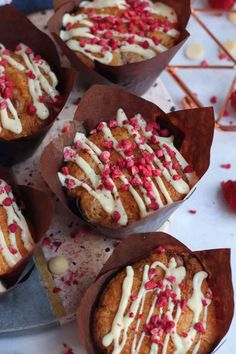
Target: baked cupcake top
{"type": "Point", "coordinates": [28, 93]}
{"type": "Point", "coordinates": [15, 237]}
{"type": "Point", "coordinates": [162, 304]}
{"type": "Point", "coordinates": [117, 32]}
{"type": "Point", "coordinates": [125, 170]}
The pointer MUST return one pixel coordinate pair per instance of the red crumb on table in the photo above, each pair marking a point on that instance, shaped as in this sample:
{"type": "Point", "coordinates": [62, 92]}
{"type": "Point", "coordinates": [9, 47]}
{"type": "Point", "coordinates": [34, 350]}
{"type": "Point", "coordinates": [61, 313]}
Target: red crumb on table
{"type": "Point", "coordinates": [225, 166]}
{"type": "Point", "coordinates": [229, 193]}
{"type": "Point", "coordinates": [56, 290]}
{"type": "Point", "coordinates": [65, 128]}
{"type": "Point", "coordinates": [191, 211]}
{"type": "Point", "coordinates": [226, 113]}
{"type": "Point", "coordinates": [67, 349]}
{"type": "Point", "coordinates": [221, 4]}
{"type": "Point", "coordinates": [204, 63]}
{"type": "Point", "coordinates": [213, 99]}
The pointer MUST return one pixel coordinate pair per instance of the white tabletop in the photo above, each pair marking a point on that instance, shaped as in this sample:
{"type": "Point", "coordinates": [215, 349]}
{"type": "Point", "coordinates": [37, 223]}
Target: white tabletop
{"type": "Point", "coordinates": [213, 226]}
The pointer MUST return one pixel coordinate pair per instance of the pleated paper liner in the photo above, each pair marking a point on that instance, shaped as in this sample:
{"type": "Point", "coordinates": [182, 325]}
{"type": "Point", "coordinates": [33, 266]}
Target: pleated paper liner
{"type": "Point", "coordinates": [16, 28]}
{"type": "Point", "coordinates": [100, 103]}
{"type": "Point", "coordinates": [136, 247]}
{"type": "Point", "coordinates": [38, 212]}
{"type": "Point", "coordinates": [134, 77]}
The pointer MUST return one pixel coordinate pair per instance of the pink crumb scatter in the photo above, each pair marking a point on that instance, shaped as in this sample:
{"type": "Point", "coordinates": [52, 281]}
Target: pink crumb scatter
{"type": "Point", "coordinates": [56, 290]}
{"type": "Point", "coordinates": [192, 211]}
{"type": "Point", "coordinates": [213, 99]}
{"type": "Point", "coordinates": [65, 129]}
{"type": "Point", "coordinates": [226, 166]}
{"type": "Point", "coordinates": [160, 250]}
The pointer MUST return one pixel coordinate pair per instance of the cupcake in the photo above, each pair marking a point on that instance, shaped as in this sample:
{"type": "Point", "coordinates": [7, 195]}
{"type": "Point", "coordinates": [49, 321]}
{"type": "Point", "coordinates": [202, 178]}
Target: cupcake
{"type": "Point", "coordinates": [124, 166]}
{"type": "Point", "coordinates": [33, 86]}
{"type": "Point", "coordinates": [161, 304]}
{"type": "Point", "coordinates": [16, 241]}
{"type": "Point", "coordinates": [120, 32]}
{"type": "Point", "coordinates": [154, 295]}
{"type": "Point", "coordinates": [28, 93]}
{"type": "Point", "coordinates": [122, 42]}
{"type": "Point", "coordinates": [124, 170]}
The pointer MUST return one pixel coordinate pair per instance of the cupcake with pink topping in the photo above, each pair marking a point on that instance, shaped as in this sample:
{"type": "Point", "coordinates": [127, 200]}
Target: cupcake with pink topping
{"type": "Point", "coordinates": [122, 42]}
{"type": "Point", "coordinates": [120, 31]}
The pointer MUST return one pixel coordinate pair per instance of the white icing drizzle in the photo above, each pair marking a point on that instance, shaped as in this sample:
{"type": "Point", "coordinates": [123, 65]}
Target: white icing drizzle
{"type": "Point", "coordinates": [37, 84]}
{"type": "Point", "coordinates": [110, 199]}
{"type": "Point", "coordinates": [14, 217]}
{"type": "Point", "coordinates": [123, 321]}
{"type": "Point", "coordinates": [105, 54]}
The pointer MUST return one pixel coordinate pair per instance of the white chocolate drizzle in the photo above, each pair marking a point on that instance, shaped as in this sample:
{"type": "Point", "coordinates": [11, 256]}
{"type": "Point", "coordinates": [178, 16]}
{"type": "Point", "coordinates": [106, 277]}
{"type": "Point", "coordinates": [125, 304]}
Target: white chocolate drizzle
{"type": "Point", "coordinates": [103, 52]}
{"type": "Point", "coordinates": [123, 322]}
{"type": "Point", "coordinates": [139, 187]}
{"type": "Point", "coordinates": [15, 218]}
{"type": "Point", "coordinates": [38, 85]}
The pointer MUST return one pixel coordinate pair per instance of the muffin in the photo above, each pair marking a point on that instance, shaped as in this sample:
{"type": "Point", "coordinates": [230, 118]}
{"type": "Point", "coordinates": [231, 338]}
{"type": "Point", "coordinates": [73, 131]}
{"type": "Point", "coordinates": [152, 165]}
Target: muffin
{"type": "Point", "coordinates": [125, 170]}
{"type": "Point", "coordinates": [161, 304]}
{"type": "Point", "coordinates": [15, 237]}
{"type": "Point", "coordinates": [28, 94]}
{"type": "Point", "coordinates": [118, 32]}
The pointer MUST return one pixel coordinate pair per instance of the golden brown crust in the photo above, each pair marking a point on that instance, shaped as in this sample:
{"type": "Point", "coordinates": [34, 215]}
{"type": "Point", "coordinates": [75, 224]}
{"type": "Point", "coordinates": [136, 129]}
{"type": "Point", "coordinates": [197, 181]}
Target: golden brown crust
{"type": "Point", "coordinates": [121, 57]}
{"type": "Point", "coordinates": [110, 299]}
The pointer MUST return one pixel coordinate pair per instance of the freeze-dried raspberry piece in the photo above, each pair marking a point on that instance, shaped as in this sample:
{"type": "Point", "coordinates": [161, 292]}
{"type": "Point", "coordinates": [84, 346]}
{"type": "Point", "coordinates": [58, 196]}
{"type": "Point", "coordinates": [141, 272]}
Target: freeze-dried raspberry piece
{"type": "Point", "coordinates": [221, 4]}
{"type": "Point", "coordinates": [229, 192]}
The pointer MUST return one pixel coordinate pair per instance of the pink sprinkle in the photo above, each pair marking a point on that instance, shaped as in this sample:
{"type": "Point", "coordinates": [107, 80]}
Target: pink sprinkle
{"type": "Point", "coordinates": [154, 205]}
{"type": "Point", "coordinates": [109, 185]}
{"type": "Point", "coordinates": [12, 250]}
{"type": "Point", "coordinates": [160, 250]}
{"type": "Point", "coordinates": [133, 297]}
{"type": "Point", "coordinates": [150, 285]}
{"type": "Point", "coordinates": [159, 153]}
{"type": "Point", "coordinates": [191, 211]}
{"type": "Point", "coordinates": [8, 188]}
{"type": "Point", "coordinates": [29, 51]}
{"type": "Point", "coordinates": [112, 124]}
{"type": "Point", "coordinates": [204, 63]}
{"type": "Point", "coordinates": [105, 155]}
{"type": "Point", "coordinates": [188, 169]}
{"type": "Point", "coordinates": [100, 126]}
{"type": "Point", "coordinates": [125, 187]}
{"type": "Point", "coordinates": [31, 109]}
{"type": "Point", "coordinates": [227, 166]}
{"type": "Point", "coordinates": [70, 183]}
{"type": "Point", "coordinates": [18, 47]}
{"type": "Point", "coordinates": [116, 216]}
{"type": "Point", "coordinates": [204, 302]}
{"type": "Point", "coordinates": [151, 273]}
{"type": "Point", "coordinates": [3, 104]}
{"type": "Point", "coordinates": [134, 170]}
{"type": "Point", "coordinates": [199, 327]}
{"type": "Point", "coordinates": [13, 228]}
{"type": "Point", "coordinates": [107, 144]}
{"type": "Point", "coordinates": [171, 279]}
{"type": "Point", "coordinates": [184, 334]}
{"type": "Point", "coordinates": [176, 177]}
{"type": "Point", "coordinates": [30, 74]}
{"type": "Point", "coordinates": [183, 304]}
{"type": "Point", "coordinates": [65, 129]}
{"type": "Point", "coordinates": [7, 202]}
{"type": "Point", "coordinates": [131, 315]}
{"type": "Point", "coordinates": [65, 170]}
{"type": "Point", "coordinates": [213, 99]}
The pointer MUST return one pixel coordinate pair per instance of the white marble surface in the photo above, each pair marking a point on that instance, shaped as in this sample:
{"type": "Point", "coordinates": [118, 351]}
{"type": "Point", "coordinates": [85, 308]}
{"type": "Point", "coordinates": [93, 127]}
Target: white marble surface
{"type": "Point", "coordinates": [213, 226]}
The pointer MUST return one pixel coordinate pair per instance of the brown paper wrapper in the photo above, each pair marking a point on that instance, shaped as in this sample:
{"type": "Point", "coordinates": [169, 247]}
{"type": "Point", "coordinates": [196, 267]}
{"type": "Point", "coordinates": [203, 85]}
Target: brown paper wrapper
{"type": "Point", "coordinates": [136, 247]}
{"type": "Point", "coordinates": [135, 77]}
{"type": "Point", "coordinates": [15, 28]}
{"type": "Point", "coordinates": [100, 103]}
{"type": "Point", "coordinates": [38, 212]}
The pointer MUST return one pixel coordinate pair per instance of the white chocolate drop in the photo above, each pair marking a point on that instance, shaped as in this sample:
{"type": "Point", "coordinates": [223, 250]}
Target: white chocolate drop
{"type": "Point", "coordinates": [58, 265]}
{"type": "Point", "coordinates": [194, 51]}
